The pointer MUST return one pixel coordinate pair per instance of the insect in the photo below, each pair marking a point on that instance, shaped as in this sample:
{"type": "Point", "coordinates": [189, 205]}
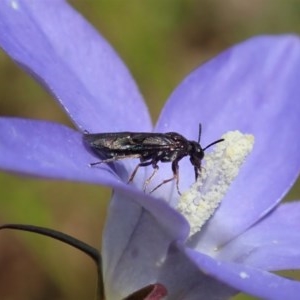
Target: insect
{"type": "Point", "coordinates": [150, 148]}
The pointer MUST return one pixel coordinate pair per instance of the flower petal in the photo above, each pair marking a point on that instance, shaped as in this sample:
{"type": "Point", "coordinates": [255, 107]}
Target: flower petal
{"type": "Point", "coordinates": [272, 244]}
{"type": "Point", "coordinates": [252, 87]}
{"type": "Point", "coordinates": [255, 282]}
{"type": "Point", "coordinates": [138, 232]}
{"type": "Point", "coordinates": [54, 43]}
{"type": "Point", "coordinates": [183, 279]}
{"type": "Point", "coordinates": [49, 150]}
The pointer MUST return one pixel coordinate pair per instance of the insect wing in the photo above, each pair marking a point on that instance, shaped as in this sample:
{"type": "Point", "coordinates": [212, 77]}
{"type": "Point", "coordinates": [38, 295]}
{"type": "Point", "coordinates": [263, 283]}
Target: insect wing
{"type": "Point", "coordinates": [112, 141]}
{"type": "Point", "coordinates": [152, 141]}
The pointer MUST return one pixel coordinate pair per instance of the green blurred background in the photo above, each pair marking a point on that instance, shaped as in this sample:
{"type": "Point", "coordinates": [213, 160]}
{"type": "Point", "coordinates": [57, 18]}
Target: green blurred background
{"type": "Point", "coordinates": [161, 41]}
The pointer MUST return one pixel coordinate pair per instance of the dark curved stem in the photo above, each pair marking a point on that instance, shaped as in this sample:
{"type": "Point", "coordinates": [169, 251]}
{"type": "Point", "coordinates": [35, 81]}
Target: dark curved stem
{"type": "Point", "coordinates": [67, 239]}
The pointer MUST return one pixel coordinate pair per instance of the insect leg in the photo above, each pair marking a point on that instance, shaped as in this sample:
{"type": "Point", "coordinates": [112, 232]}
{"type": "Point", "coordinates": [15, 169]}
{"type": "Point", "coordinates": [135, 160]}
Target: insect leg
{"type": "Point", "coordinates": [142, 164]}
{"type": "Point", "coordinates": [155, 167]}
{"type": "Point", "coordinates": [175, 168]}
{"type": "Point", "coordinates": [103, 161]}
{"type": "Point", "coordinates": [197, 172]}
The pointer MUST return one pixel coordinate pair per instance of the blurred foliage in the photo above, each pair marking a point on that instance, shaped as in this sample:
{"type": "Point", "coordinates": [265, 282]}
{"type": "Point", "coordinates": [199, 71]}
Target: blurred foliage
{"type": "Point", "coordinates": [161, 41]}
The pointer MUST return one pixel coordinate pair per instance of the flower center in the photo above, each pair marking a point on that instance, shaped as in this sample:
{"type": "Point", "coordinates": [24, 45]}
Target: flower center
{"type": "Point", "coordinates": [221, 166]}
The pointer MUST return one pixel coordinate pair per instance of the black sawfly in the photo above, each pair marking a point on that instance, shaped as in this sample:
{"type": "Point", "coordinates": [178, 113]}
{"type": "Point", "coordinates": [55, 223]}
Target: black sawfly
{"type": "Point", "coordinates": [150, 148]}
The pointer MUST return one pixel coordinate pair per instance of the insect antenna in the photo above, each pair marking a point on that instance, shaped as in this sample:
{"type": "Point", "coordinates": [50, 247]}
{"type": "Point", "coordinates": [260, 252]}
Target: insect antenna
{"type": "Point", "coordinates": [199, 134]}
{"type": "Point", "coordinates": [213, 143]}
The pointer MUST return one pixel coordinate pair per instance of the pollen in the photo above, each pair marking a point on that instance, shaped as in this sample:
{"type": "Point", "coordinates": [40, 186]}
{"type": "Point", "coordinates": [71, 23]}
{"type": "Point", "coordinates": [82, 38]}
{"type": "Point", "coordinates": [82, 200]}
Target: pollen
{"type": "Point", "coordinates": [220, 168]}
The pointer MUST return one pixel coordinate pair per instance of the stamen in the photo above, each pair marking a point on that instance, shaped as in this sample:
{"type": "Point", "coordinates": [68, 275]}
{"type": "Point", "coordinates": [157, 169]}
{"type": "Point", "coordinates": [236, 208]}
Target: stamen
{"type": "Point", "coordinates": [220, 168]}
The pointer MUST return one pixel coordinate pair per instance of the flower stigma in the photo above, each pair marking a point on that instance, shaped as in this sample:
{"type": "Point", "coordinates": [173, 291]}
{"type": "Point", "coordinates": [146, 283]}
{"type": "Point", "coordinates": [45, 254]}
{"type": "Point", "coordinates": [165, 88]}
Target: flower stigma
{"type": "Point", "coordinates": [221, 166]}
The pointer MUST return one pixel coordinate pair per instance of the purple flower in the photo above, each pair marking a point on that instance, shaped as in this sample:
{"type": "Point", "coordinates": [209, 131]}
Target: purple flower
{"type": "Point", "coordinates": [252, 87]}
